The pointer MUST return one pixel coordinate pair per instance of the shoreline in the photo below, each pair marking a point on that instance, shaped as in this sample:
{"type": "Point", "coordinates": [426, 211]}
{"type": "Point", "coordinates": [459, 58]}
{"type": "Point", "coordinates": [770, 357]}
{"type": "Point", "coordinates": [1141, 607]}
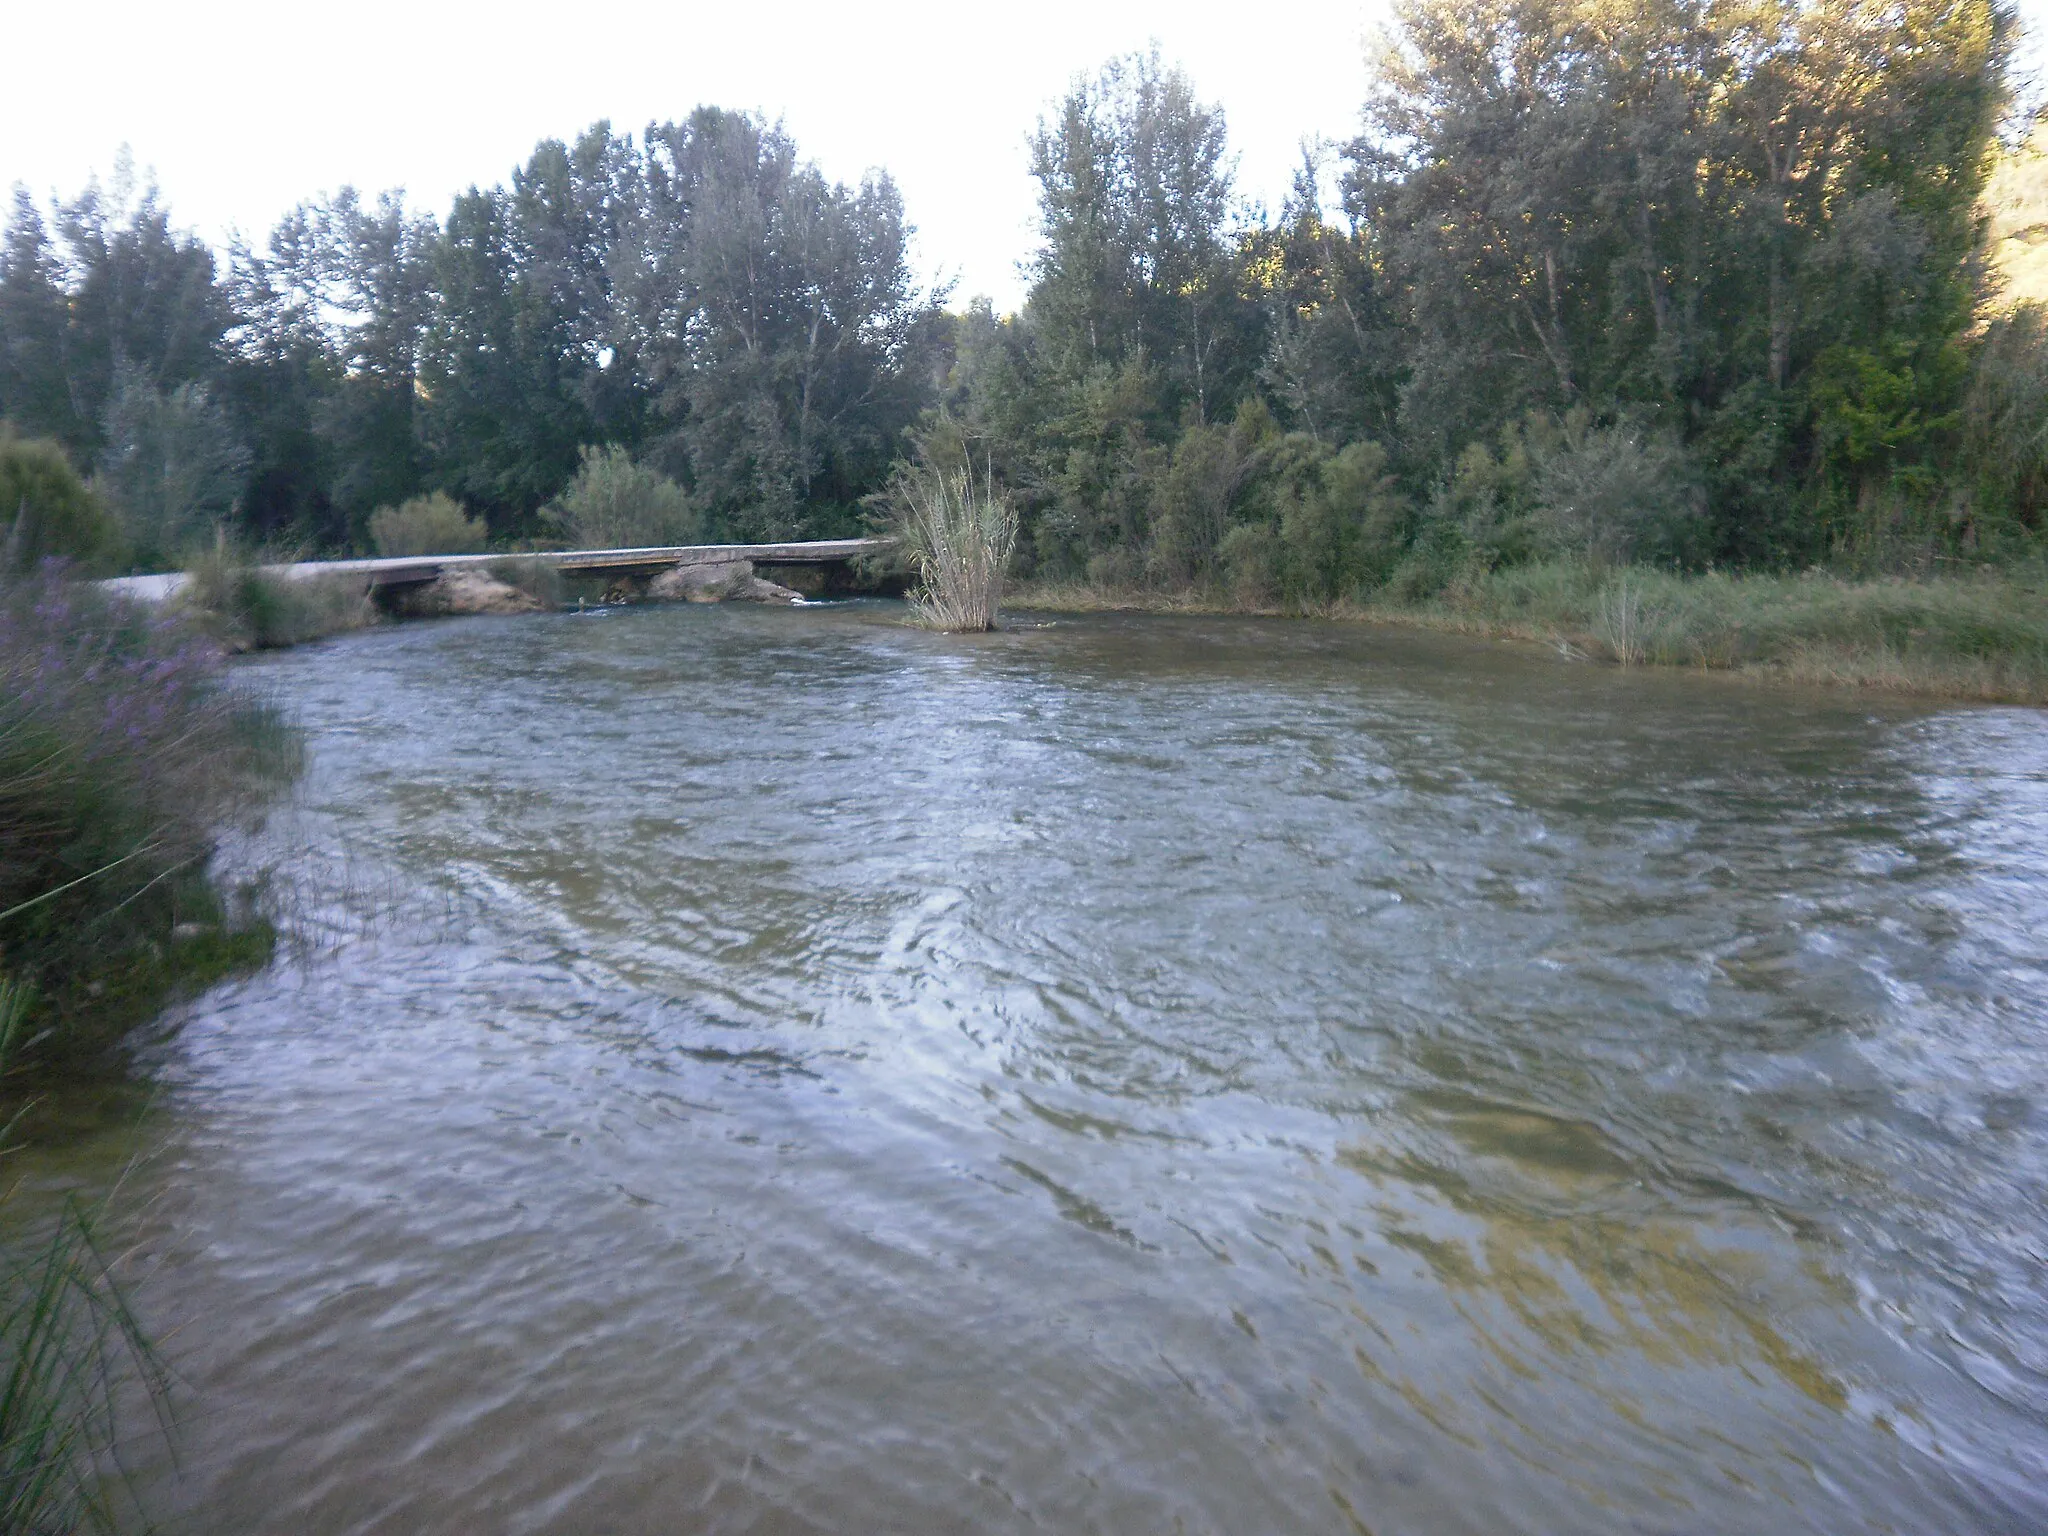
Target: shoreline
{"type": "Point", "coordinates": [1780, 643]}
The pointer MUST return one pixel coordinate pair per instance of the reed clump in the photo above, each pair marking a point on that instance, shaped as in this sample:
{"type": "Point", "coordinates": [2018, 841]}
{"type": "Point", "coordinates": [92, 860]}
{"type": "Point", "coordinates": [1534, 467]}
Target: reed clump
{"type": "Point", "coordinates": [123, 750]}
{"type": "Point", "coordinates": [958, 531]}
{"type": "Point", "coordinates": [72, 1358]}
{"type": "Point", "coordinates": [250, 606]}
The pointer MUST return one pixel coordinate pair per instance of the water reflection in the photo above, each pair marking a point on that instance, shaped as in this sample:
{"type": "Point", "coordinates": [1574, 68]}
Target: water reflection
{"type": "Point", "coordinates": [1118, 1075]}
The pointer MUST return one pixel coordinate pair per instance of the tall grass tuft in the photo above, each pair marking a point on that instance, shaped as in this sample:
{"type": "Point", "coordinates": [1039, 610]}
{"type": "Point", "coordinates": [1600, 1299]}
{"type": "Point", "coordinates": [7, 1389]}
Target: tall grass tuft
{"type": "Point", "coordinates": [122, 749]}
{"type": "Point", "coordinates": [254, 609]}
{"type": "Point", "coordinates": [71, 1353]}
{"type": "Point", "coordinates": [958, 532]}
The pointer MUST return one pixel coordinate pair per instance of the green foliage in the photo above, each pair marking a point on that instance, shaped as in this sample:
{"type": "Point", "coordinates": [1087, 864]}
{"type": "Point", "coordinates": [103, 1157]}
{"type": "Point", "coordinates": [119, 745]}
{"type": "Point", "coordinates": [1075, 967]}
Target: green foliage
{"type": "Point", "coordinates": [1344, 533]}
{"type": "Point", "coordinates": [426, 525]}
{"type": "Point", "coordinates": [1751, 226]}
{"type": "Point", "coordinates": [614, 503]}
{"type": "Point", "coordinates": [1618, 493]}
{"type": "Point", "coordinates": [48, 511]}
{"type": "Point", "coordinates": [171, 467]}
{"type": "Point", "coordinates": [958, 530]}
{"type": "Point", "coordinates": [251, 608]}
{"type": "Point", "coordinates": [72, 1358]}
{"type": "Point", "coordinates": [1741, 246]}
{"type": "Point", "coordinates": [1136, 203]}
{"type": "Point", "coordinates": [1192, 499]}
{"type": "Point", "coordinates": [1252, 564]}
{"type": "Point", "coordinates": [706, 296]}
{"type": "Point", "coordinates": [2005, 418]}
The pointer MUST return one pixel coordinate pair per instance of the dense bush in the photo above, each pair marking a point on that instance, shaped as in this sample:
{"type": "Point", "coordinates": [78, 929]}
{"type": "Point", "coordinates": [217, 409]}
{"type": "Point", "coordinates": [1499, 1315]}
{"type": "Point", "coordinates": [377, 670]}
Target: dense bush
{"type": "Point", "coordinates": [250, 608]}
{"type": "Point", "coordinates": [1344, 533]}
{"type": "Point", "coordinates": [426, 525]}
{"type": "Point", "coordinates": [2005, 419]}
{"type": "Point", "coordinates": [1314, 526]}
{"type": "Point", "coordinates": [46, 512]}
{"type": "Point", "coordinates": [122, 750]}
{"type": "Point", "coordinates": [1619, 493]}
{"type": "Point", "coordinates": [614, 503]}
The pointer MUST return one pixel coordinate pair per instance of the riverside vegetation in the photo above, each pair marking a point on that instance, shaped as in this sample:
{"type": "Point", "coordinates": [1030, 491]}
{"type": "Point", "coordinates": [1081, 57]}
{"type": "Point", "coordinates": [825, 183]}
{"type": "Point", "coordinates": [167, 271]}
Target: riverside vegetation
{"type": "Point", "coordinates": [1605, 293]}
{"type": "Point", "coordinates": [958, 531]}
{"type": "Point", "coordinates": [122, 751]}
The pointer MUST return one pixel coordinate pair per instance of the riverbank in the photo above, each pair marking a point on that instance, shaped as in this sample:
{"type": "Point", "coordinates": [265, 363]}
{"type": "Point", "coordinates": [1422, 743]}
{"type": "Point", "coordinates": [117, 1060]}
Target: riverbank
{"type": "Point", "coordinates": [1981, 636]}
{"type": "Point", "coordinates": [124, 752]}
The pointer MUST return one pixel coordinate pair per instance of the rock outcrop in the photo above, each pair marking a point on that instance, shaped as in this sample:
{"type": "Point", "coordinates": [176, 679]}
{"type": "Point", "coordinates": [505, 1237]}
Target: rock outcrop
{"type": "Point", "coordinates": [718, 582]}
{"type": "Point", "coordinates": [466, 589]}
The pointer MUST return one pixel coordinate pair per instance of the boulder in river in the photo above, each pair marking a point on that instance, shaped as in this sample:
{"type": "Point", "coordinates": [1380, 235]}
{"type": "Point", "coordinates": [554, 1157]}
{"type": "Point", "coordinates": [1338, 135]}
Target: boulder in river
{"type": "Point", "coordinates": [466, 589]}
{"type": "Point", "coordinates": [718, 581]}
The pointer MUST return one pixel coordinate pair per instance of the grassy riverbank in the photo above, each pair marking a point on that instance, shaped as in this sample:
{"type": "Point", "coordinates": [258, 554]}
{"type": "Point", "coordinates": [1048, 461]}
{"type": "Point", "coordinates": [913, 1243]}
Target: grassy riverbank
{"type": "Point", "coordinates": [123, 752]}
{"type": "Point", "coordinates": [1982, 635]}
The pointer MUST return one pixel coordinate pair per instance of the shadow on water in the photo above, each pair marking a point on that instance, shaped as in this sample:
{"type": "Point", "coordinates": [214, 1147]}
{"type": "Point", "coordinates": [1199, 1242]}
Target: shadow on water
{"type": "Point", "coordinates": [1117, 1074]}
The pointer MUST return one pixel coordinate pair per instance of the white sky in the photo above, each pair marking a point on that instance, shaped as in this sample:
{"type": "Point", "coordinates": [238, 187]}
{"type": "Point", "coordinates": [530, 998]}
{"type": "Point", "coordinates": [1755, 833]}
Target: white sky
{"type": "Point", "coordinates": [244, 108]}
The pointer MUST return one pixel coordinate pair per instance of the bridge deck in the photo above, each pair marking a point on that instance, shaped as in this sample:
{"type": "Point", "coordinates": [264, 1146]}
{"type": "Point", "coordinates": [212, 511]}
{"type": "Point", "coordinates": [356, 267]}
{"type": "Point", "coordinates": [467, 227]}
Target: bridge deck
{"type": "Point", "coordinates": [411, 570]}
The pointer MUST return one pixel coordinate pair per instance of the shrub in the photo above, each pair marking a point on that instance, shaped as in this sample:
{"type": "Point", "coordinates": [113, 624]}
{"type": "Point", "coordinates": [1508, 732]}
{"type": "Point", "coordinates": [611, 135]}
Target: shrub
{"type": "Point", "coordinates": [1191, 501]}
{"type": "Point", "coordinates": [426, 525]}
{"type": "Point", "coordinates": [249, 608]}
{"type": "Point", "coordinates": [1618, 493]}
{"type": "Point", "coordinates": [1346, 530]}
{"type": "Point", "coordinates": [1250, 556]}
{"type": "Point", "coordinates": [46, 511]}
{"type": "Point", "coordinates": [122, 749]}
{"type": "Point", "coordinates": [1118, 569]}
{"type": "Point", "coordinates": [614, 503]}
{"type": "Point", "coordinates": [2005, 414]}
{"type": "Point", "coordinates": [959, 532]}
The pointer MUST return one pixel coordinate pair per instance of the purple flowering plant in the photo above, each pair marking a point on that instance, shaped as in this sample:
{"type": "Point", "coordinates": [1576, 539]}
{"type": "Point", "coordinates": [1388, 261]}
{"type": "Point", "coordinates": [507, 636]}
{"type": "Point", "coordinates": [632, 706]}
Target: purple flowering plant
{"type": "Point", "coordinates": [124, 746]}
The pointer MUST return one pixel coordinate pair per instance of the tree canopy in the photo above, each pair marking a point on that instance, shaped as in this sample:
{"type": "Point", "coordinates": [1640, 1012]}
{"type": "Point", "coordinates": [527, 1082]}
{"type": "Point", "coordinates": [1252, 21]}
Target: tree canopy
{"type": "Point", "coordinates": [1675, 280]}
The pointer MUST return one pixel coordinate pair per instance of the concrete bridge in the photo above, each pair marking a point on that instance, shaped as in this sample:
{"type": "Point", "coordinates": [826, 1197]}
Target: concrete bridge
{"type": "Point", "coordinates": [418, 570]}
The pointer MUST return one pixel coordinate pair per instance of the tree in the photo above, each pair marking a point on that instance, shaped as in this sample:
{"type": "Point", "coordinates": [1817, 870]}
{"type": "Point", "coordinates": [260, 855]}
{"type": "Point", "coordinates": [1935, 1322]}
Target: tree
{"type": "Point", "coordinates": [143, 299]}
{"type": "Point", "coordinates": [35, 391]}
{"type": "Point", "coordinates": [1749, 225]}
{"type": "Point", "coordinates": [172, 467]}
{"type": "Point", "coordinates": [777, 324]}
{"type": "Point", "coordinates": [1135, 213]}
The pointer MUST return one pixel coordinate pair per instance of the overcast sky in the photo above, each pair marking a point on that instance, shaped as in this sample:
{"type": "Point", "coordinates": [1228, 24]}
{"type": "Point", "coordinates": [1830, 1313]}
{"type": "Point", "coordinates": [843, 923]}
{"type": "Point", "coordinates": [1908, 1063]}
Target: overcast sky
{"type": "Point", "coordinates": [242, 109]}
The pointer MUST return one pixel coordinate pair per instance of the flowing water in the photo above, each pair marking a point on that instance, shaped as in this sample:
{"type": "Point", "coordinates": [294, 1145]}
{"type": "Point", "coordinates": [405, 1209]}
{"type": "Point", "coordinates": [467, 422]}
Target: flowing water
{"type": "Point", "coordinates": [1122, 1075]}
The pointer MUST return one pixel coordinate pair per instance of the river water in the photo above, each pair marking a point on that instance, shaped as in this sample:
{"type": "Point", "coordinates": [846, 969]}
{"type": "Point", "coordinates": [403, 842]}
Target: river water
{"type": "Point", "coordinates": [777, 1071]}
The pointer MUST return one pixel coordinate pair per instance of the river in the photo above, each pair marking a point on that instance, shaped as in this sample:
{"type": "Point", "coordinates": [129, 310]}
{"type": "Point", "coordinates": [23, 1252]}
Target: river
{"type": "Point", "coordinates": [779, 1071]}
